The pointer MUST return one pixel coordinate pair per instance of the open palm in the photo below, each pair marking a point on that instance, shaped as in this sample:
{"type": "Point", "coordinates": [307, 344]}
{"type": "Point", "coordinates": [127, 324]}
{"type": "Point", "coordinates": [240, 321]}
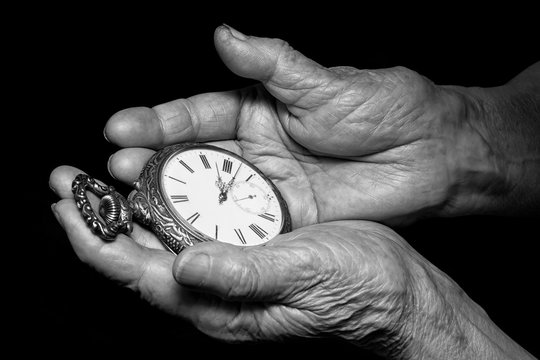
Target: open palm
{"type": "Point", "coordinates": [339, 143]}
{"type": "Point", "coordinates": [293, 286]}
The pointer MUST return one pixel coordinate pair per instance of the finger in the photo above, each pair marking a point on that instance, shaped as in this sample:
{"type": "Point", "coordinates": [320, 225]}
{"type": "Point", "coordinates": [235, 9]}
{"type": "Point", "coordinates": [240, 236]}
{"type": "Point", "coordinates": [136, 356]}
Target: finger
{"type": "Point", "coordinates": [146, 238]}
{"type": "Point", "coordinates": [149, 273]}
{"type": "Point", "coordinates": [204, 117]}
{"type": "Point", "coordinates": [60, 180]}
{"type": "Point", "coordinates": [254, 273]}
{"type": "Point", "coordinates": [120, 259]}
{"type": "Point", "coordinates": [126, 164]}
{"type": "Point", "coordinates": [144, 270]}
{"type": "Point", "coordinates": [285, 72]}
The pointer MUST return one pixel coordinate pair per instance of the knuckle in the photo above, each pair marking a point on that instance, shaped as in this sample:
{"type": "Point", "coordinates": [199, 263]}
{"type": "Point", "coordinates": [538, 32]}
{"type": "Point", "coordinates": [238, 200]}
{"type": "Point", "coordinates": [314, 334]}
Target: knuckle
{"type": "Point", "coordinates": [407, 76]}
{"type": "Point", "coordinates": [177, 120]}
{"type": "Point", "coordinates": [193, 116]}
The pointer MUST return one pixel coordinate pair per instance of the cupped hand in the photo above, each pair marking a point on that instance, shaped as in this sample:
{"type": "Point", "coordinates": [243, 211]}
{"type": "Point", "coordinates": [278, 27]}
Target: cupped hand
{"type": "Point", "coordinates": [355, 280]}
{"type": "Point", "coordinates": [340, 143]}
{"type": "Point", "coordinates": [351, 279]}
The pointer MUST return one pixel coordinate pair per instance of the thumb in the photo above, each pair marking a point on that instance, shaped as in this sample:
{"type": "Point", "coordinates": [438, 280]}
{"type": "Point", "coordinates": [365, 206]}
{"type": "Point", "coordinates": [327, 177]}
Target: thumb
{"type": "Point", "coordinates": [236, 273]}
{"type": "Point", "coordinates": [286, 73]}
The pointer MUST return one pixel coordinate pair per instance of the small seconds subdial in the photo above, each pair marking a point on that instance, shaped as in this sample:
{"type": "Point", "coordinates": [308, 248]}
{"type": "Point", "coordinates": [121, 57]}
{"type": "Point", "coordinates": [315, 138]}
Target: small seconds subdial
{"type": "Point", "coordinates": [250, 197]}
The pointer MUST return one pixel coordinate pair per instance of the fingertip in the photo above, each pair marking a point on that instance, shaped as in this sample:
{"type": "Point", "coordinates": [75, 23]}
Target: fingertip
{"type": "Point", "coordinates": [61, 179]}
{"type": "Point", "coordinates": [56, 214]}
{"type": "Point", "coordinates": [193, 269]}
{"type": "Point", "coordinates": [231, 272]}
{"type": "Point", "coordinates": [68, 215]}
{"type": "Point", "coordinates": [105, 134]}
{"type": "Point", "coordinates": [57, 174]}
{"type": "Point", "coordinates": [227, 33]}
{"type": "Point", "coordinates": [263, 59]}
{"type": "Point", "coordinates": [285, 72]}
{"type": "Point", "coordinates": [137, 126]}
{"type": "Point", "coordinates": [242, 54]}
{"type": "Point", "coordinates": [221, 33]}
{"type": "Point", "coordinates": [195, 265]}
{"type": "Point", "coordinates": [126, 164]}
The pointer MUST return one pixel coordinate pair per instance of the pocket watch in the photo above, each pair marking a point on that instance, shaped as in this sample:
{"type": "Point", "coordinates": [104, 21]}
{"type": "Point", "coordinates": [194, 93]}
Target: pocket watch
{"type": "Point", "coordinates": [189, 193]}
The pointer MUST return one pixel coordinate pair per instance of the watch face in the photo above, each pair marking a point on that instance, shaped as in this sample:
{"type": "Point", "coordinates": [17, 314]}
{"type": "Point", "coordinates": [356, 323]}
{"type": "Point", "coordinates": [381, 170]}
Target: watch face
{"type": "Point", "coordinates": [217, 195]}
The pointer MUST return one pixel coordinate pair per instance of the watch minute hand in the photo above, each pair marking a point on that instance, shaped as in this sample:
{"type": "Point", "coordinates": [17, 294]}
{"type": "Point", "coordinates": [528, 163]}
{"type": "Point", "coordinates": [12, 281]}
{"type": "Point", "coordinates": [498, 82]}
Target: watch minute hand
{"type": "Point", "coordinates": [231, 182]}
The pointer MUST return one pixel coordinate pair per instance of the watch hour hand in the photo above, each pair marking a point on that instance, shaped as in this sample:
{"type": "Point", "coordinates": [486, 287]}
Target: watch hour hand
{"type": "Point", "coordinates": [221, 186]}
{"type": "Point", "coordinates": [219, 182]}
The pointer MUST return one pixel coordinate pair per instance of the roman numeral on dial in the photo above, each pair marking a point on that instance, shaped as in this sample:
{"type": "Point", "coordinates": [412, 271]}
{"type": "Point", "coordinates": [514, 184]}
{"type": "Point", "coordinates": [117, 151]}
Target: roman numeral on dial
{"type": "Point", "coordinates": [179, 198]}
{"type": "Point", "coordinates": [193, 218]}
{"type": "Point", "coordinates": [268, 216]}
{"type": "Point", "coordinates": [186, 166]}
{"type": "Point", "coordinates": [205, 161]}
{"type": "Point", "coordinates": [175, 179]}
{"type": "Point", "coordinates": [227, 166]}
{"type": "Point", "coordinates": [258, 230]}
{"type": "Point", "coordinates": [240, 236]}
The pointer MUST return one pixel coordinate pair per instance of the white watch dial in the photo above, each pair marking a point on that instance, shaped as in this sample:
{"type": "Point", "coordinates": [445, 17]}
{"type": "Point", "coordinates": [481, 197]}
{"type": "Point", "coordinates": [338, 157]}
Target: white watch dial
{"type": "Point", "coordinates": [221, 196]}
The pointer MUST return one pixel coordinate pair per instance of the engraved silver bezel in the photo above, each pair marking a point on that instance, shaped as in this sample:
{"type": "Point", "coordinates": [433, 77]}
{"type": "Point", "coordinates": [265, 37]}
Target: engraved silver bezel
{"type": "Point", "coordinates": [153, 208]}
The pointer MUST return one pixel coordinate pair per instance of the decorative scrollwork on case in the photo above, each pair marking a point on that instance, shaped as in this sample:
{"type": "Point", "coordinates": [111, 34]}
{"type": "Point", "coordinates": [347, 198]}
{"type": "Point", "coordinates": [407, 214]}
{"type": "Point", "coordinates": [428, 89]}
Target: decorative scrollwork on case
{"type": "Point", "coordinates": [149, 205]}
{"type": "Point", "coordinates": [139, 206]}
{"type": "Point", "coordinates": [113, 208]}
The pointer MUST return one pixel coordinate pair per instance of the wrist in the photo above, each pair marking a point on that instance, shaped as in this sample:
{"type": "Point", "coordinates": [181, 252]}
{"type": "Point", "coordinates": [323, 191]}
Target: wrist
{"type": "Point", "coordinates": [386, 325]}
{"type": "Point", "coordinates": [447, 324]}
{"type": "Point", "coordinates": [490, 171]}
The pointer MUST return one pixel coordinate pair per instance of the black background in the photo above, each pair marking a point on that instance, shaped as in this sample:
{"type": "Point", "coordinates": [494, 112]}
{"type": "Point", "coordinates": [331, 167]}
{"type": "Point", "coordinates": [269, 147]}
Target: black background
{"type": "Point", "coordinates": [78, 66]}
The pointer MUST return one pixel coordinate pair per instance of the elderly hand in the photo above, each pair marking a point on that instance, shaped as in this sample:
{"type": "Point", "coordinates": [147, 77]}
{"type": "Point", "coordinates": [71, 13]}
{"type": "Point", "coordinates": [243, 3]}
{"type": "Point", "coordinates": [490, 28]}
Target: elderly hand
{"type": "Point", "coordinates": [340, 143]}
{"type": "Point", "coordinates": [356, 280]}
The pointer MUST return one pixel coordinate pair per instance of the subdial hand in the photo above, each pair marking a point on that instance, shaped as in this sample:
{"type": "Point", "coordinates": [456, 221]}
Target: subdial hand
{"type": "Point", "coordinates": [247, 197]}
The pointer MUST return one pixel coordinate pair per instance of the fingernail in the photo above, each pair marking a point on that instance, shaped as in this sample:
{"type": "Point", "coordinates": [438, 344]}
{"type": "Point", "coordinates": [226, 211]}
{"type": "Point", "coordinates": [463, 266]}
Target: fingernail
{"type": "Point", "coordinates": [235, 33]}
{"type": "Point", "coordinates": [52, 189]}
{"type": "Point", "coordinates": [105, 135]}
{"type": "Point", "coordinates": [56, 214]}
{"type": "Point", "coordinates": [109, 167]}
{"type": "Point", "coordinates": [193, 269]}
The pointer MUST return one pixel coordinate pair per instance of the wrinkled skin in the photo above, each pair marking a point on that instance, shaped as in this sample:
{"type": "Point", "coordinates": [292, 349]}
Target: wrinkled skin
{"type": "Point", "coordinates": [339, 143]}
{"type": "Point", "coordinates": [351, 278]}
